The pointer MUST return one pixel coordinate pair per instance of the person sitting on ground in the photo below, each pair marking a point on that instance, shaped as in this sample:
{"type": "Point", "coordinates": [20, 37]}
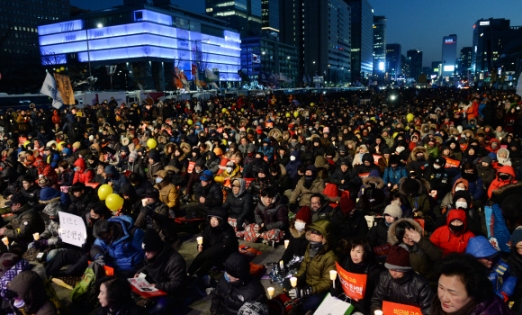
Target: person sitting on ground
{"type": "Point", "coordinates": [400, 284]}
{"type": "Point", "coordinates": [378, 234]}
{"type": "Point", "coordinates": [454, 236]}
{"type": "Point", "coordinates": [219, 241]}
{"type": "Point", "coordinates": [236, 287]}
{"type": "Point", "coordinates": [240, 205]}
{"type": "Point", "coordinates": [115, 298]}
{"type": "Point", "coordinates": [306, 187]}
{"type": "Point", "coordinates": [30, 294]}
{"type": "Point", "coordinates": [165, 269]}
{"type": "Point", "coordinates": [464, 288]}
{"type": "Point", "coordinates": [118, 243]}
{"type": "Point", "coordinates": [208, 195]}
{"type": "Point", "coordinates": [296, 249]}
{"type": "Point", "coordinates": [313, 277]}
{"type": "Point", "coordinates": [271, 216]}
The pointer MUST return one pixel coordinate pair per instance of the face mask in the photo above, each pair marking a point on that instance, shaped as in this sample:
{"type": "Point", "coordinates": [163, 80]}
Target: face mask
{"type": "Point", "coordinates": [461, 204]}
{"type": "Point", "coordinates": [299, 226]}
{"type": "Point", "coordinates": [292, 158]}
{"type": "Point", "coordinates": [435, 166]}
{"type": "Point", "coordinates": [315, 245]}
{"type": "Point", "coordinates": [18, 303]}
{"type": "Point", "coordinates": [229, 170]}
{"type": "Point", "coordinates": [159, 180]}
{"type": "Point", "coordinates": [199, 171]}
{"type": "Point", "coordinates": [459, 188]}
{"type": "Point", "coordinates": [309, 178]}
{"type": "Point", "coordinates": [420, 158]}
{"type": "Point", "coordinates": [456, 228]}
{"type": "Point", "coordinates": [77, 169]}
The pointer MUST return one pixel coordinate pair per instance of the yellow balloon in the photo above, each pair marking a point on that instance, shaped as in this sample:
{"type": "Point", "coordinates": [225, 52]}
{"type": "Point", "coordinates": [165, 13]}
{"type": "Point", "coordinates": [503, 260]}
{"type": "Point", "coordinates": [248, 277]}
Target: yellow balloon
{"type": "Point", "coordinates": [114, 202]}
{"type": "Point", "coordinates": [410, 117]}
{"type": "Point", "coordinates": [189, 122]}
{"type": "Point", "coordinates": [152, 143]}
{"type": "Point", "coordinates": [312, 104]}
{"type": "Point", "coordinates": [62, 68]}
{"type": "Point", "coordinates": [104, 191]}
{"type": "Point", "coordinates": [296, 113]}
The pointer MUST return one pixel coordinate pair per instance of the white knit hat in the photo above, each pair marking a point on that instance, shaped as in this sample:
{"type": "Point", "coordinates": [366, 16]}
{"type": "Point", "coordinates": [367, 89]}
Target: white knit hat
{"type": "Point", "coordinates": [394, 211]}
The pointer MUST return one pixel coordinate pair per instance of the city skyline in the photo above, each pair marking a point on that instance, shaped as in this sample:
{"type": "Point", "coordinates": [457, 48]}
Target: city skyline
{"type": "Point", "coordinates": [425, 29]}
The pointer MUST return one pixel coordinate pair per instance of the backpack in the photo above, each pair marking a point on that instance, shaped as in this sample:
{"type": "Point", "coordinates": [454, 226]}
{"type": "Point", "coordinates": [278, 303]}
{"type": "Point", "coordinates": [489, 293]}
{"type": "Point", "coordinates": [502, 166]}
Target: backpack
{"type": "Point", "coordinates": [84, 292]}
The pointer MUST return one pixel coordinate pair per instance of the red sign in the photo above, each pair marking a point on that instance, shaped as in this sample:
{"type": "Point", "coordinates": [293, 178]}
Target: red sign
{"type": "Point", "coordinates": [376, 158]}
{"type": "Point", "coordinates": [364, 175]}
{"type": "Point", "coordinates": [451, 163]}
{"type": "Point", "coordinates": [354, 284]}
{"type": "Point", "coordinates": [190, 167]}
{"type": "Point", "coordinates": [400, 309]}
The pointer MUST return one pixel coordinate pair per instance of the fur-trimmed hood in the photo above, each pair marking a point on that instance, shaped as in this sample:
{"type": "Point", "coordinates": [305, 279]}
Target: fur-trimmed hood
{"type": "Point", "coordinates": [392, 237]}
{"type": "Point", "coordinates": [416, 150]}
{"type": "Point", "coordinates": [373, 178]}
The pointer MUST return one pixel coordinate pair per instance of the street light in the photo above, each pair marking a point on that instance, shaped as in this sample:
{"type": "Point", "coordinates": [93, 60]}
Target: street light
{"type": "Point", "coordinates": [99, 25]}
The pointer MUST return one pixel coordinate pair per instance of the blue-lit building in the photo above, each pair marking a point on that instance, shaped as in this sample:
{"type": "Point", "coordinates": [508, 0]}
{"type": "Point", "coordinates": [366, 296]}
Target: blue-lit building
{"type": "Point", "coordinates": [362, 39]}
{"type": "Point", "coordinates": [150, 43]}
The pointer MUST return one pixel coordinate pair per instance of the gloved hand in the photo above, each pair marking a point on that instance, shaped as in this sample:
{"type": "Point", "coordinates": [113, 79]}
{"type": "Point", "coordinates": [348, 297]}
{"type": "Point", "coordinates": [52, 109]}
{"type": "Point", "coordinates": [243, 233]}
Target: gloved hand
{"type": "Point", "coordinates": [100, 260]}
{"type": "Point", "coordinates": [300, 292]}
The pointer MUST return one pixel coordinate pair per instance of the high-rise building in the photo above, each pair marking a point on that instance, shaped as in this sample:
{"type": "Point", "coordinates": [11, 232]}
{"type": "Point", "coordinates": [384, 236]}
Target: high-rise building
{"type": "Point", "coordinates": [489, 38]}
{"type": "Point", "coordinates": [270, 15]}
{"type": "Point", "coordinates": [414, 59]}
{"type": "Point", "coordinates": [436, 67]}
{"type": "Point", "coordinates": [19, 51]}
{"type": "Point", "coordinates": [242, 15]}
{"type": "Point", "coordinates": [393, 60]}
{"type": "Point", "coordinates": [196, 6]}
{"type": "Point", "coordinates": [362, 39]}
{"type": "Point", "coordinates": [449, 55]}
{"type": "Point", "coordinates": [379, 47]}
{"type": "Point", "coordinates": [466, 54]}
{"type": "Point", "coordinates": [320, 30]}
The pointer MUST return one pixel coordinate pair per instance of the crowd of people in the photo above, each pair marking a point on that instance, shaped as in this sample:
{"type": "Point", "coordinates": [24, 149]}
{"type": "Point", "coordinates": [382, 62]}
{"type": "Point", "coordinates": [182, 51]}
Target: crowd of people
{"type": "Point", "coordinates": [418, 192]}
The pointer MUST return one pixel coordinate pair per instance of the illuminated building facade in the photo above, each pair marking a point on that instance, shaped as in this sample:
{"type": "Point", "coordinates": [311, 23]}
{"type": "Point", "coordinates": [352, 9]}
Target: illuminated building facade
{"type": "Point", "coordinates": [151, 42]}
{"type": "Point", "coordinates": [449, 55]}
{"type": "Point", "coordinates": [243, 15]}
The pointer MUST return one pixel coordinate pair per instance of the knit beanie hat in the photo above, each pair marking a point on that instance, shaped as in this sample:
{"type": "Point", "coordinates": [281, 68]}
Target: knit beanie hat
{"type": "Point", "coordinates": [516, 237]}
{"type": "Point", "coordinates": [398, 259]}
{"type": "Point", "coordinates": [151, 241]}
{"type": "Point", "coordinates": [304, 214]}
{"type": "Point", "coordinates": [346, 205]}
{"type": "Point", "coordinates": [394, 211]}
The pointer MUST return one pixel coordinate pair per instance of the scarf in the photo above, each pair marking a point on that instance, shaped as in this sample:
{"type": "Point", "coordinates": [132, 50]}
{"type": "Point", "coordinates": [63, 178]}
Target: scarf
{"type": "Point", "coordinates": [436, 308]}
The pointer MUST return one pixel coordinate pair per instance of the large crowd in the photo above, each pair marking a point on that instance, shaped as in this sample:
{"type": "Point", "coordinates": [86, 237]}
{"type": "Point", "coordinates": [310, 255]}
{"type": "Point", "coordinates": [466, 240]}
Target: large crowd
{"type": "Point", "coordinates": [414, 192]}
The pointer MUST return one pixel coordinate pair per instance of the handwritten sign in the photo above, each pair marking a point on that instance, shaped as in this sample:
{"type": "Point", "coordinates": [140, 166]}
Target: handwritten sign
{"type": "Point", "coordinates": [72, 229]}
{"type": "Point", "coordinates": [354, 284]}
{"type": "Point", "coordinates": [400, 309]}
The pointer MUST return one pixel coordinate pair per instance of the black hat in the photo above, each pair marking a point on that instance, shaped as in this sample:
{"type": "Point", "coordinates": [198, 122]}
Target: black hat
{"type": "Point", "coordinates": [16, 198]}
{"type": "Point", "coordinates": [152, 241]}
{"type": "Point", "coordinates": [151, 193]}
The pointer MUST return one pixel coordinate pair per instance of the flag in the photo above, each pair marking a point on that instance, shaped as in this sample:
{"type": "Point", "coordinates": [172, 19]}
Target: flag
{"type": "Point", "coordinates": [63, 83]}
{"type": "Point", "coordinates": [49, 89]}
{"type": "Point", "coordinates": [256, 59]}
{"type": "Point", "coordinates": [211, 76]}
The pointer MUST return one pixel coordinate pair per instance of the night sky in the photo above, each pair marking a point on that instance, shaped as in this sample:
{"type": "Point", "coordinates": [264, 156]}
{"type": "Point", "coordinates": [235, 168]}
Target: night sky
{"type": "Point", "coordinates": [418, 24]}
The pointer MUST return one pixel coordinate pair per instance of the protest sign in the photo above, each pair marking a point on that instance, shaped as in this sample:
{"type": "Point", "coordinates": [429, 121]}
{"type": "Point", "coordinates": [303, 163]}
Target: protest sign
{"type": "Point", "coordinates": [72, 229]}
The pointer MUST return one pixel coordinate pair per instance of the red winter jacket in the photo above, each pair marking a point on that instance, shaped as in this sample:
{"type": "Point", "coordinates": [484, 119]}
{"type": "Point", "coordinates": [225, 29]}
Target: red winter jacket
{"type": "Point", "coordinates": [82, 175]}
{"type": "Point", "coordinates": [497, 182]}
{"type": "Point", "coordinates": [449, 242]}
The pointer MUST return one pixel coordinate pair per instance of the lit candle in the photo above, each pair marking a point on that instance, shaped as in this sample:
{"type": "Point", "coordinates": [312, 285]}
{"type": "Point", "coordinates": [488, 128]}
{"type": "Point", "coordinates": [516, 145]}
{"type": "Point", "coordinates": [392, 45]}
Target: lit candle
{"type": "Point", "coordinates": [287, 242]}
{"type": "Point", "coordinates": [270, 291]}
{"type": "Point", "coordinates": [293, 282]}
{"type": "Point", "coordinates": [5, 240]}
{"type": "Point", "coordinates": [36, 236]}
{"type": "Point", "coordinates": [199, 239]}
{"type": "Point", "coordinates": [378, 313]}
{"type": "Point", "coordinates": [333, 276]}
{"type": "Point", "coordinates": [281, 265]}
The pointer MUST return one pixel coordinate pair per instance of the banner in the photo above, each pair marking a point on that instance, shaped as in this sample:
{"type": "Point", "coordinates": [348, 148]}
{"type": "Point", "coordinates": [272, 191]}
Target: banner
{"type": "Point", "coordinates": [72, 229]}
{"type": "Point", "coordinates": [190, 167]}
{"type": "Point", "coordinates": [49, 89]}
{"type": "Point", "coordinates": [376, 158]}
{"type": "Point", "coordinates": [256, 59]}
{"type": "Point", "coordinates": [354, 284]}
{"type": "Point", "coordinates": [396, 308]}
{"type": "Point", "coordinates": [451, 163]}
{"type": "Point", "coordinates": [63, 83]}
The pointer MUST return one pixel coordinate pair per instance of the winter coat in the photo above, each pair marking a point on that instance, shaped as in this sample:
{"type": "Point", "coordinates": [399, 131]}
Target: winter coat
{"type": "Point", "coordinates": [392, 176]}
{"type": "Point", "coordinates": [493, 305]}
{"type": "Point", "coordinates": [475, 188]}
{"type": "Point", "coordinates": [167, 271]}
{"type": "Point", "coordinates": [349, 227]}
{"type": "Point", "coordinates": [418, 166]}
{"type": "Point", "coordinates": [79, 205]}
{"type": "Point", "coordinates": [169, 195]}
{"type": "Point", "coordinates": [29, 286]}
{"type": "Point", "coordinates": [228, 298]}
{"type": "Point", "coordinates": [448, 241]}
{"type": "Point", "coordinates": [240, 207]}
{"type": "Point", "coordinates": [497, 182]}
{"type": "Point", "coordinates": [220, 179]}
{"type": "Point", "coordinates": [82, 175]}
{"type": "Point", "coordinates": [297, 245]}
{"type": "Point", "coordinates": [156, 216]}
{"type": "Point", "coordinates": [26, 222]}
{"type": "Point", "coordinates": [411, 289]}
{"type": "Point", "coordinates": [152, 170]}
{"type": "Point", "coordinates": [212, 193]}
{"type": "Point", "coordinates": [352, 182]}
{"type": "Point", "coordinates": [219, 240]}
{"type": "Point", "coordinates": [125, 253]}
{"type": "Point", "coordinates": [315, 271]}
{"type": "Point", "coordinates": [496, 226]}
{"type": "Point", "coordinates": [418, 201]}
{"type": "Point", "coordinates": [304, 194]}
{"type": "Point", "coordinates": [424, 255]}
{"type": "Point", "coordinates": [378, 234]}
{"type": "Point", "coordinates": [274, 216]}
{"type": "Point", "coordinates": [487, 174]}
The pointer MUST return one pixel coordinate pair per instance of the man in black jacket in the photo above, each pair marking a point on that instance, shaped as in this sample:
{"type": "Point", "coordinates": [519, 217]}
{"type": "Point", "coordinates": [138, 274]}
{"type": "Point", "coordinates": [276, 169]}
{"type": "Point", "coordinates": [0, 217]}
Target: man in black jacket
{"type": "Point", "coordinates": [165, 268]}
{"type": "Point", "coordinates": [81, 197]}
{"type": "Point", "coordinates": [208, 195]}
{"type": "Point", "coordinates": [345, 179]}
{"type": "Point", "coordinates": [236, 287]}
{"type": "Point", "coordinates": [240, 204]}
{"type": "Point", "coordinates": [219, 241]}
